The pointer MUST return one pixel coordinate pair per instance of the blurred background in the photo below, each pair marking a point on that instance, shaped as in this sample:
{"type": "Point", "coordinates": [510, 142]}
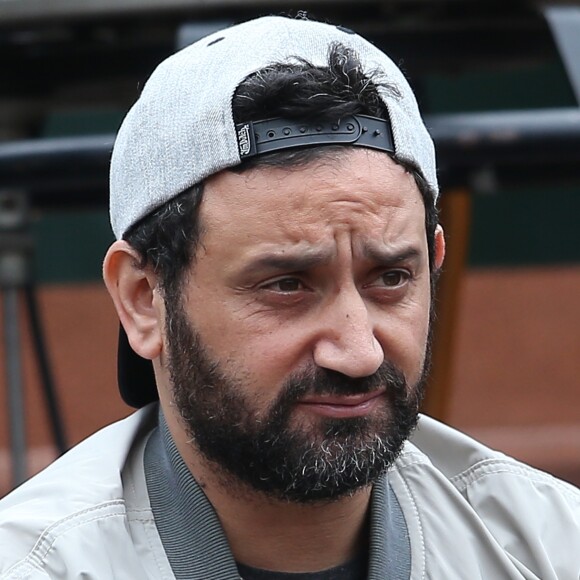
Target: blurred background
{"type": "Point", "coordinates": [500, 89]}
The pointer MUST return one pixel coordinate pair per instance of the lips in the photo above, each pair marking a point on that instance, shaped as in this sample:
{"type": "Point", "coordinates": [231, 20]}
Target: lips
{"type": "Point", "coordinates": [342, 406]}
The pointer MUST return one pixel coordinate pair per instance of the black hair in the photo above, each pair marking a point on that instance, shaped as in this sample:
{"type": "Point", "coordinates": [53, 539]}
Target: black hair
{"type": "Point", "coordinates": [168, 238]}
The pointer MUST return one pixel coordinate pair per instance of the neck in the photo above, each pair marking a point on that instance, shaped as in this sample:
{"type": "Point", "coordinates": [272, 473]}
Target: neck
{"type": "Point", "coordinates": [277, 535]}
{"type": "Point", "coordinates": [289, 537]}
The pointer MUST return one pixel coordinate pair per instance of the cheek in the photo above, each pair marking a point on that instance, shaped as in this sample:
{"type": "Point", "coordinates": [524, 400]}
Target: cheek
{"type": "Point", "coordinates": [403, 336]}
{"type": "Point", "coordinates": [263, 354]}
{"type": "Point", "coordinates": [273, 351]}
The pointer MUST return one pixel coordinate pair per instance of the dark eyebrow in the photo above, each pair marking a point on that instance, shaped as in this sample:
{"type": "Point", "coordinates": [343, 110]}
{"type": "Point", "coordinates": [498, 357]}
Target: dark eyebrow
{"type": "Point", "coordinates": [387, 257]}
{"type": "Point", "coordinates": [288, 262]}
{"type": "Point", "coordinates": [300, 261]}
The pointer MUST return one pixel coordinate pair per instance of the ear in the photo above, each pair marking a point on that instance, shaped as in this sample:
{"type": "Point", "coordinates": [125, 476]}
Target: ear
{"type": "Point", "coordinates": [439, 247]}
{"type": "Point", "coordinates": [136, 298]}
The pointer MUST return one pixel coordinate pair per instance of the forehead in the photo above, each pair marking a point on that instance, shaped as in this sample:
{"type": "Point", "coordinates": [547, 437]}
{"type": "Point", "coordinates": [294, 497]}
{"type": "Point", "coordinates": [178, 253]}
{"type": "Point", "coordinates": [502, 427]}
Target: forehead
{"type": "Point", "coordinates": [359, 192]}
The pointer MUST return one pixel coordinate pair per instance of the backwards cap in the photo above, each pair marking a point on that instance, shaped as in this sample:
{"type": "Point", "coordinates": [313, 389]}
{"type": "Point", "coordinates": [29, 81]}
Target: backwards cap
{"type": "Point", "coordinates": [181, 129]}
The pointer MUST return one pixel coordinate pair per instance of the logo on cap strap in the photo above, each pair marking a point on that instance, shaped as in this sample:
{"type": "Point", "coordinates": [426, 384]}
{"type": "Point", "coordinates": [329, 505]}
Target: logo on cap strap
{"type": "Point", "coordinates": [256, 138]}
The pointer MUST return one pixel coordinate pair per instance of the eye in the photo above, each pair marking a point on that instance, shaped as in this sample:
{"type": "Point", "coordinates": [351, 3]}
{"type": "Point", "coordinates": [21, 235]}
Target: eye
{"type": "Point", "coordinates": [285, 285]}
{"type": "Point", "coordinates": [394, 278]}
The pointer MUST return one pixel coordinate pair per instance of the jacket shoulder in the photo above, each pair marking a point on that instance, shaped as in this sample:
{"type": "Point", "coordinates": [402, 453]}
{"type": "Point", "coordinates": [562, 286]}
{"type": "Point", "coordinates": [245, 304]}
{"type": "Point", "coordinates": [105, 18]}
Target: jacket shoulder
{"type": "Point", "coordinates": [464, 461]}
{"type": "Point", "coordinates": [77, 500]}
{"type": "Point", "coordinates": [528, 515]}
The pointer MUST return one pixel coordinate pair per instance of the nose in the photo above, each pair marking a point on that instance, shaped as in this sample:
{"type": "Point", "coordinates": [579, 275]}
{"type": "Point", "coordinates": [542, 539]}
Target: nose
{"type": "Point", "coordinates": [347, 343]}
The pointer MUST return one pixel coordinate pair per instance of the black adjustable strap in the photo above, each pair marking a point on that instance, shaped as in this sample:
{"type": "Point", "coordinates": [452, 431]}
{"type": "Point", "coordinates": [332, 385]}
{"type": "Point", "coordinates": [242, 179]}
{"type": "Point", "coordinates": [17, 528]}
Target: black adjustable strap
{"type": "Point", "coordinates": [256, 138]}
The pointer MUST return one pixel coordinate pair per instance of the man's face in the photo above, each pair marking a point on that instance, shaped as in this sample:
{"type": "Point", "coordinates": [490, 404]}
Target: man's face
{"type": "Point", "coordinates": [298, 348]}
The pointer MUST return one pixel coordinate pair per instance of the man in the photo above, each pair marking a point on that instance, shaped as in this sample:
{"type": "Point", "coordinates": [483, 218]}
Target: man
{"type": "Point", "coordinates": [273, 196]}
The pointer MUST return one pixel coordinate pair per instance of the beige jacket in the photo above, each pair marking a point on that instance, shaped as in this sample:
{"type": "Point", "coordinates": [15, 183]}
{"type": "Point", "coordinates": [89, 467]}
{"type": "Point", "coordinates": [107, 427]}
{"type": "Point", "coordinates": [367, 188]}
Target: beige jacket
{"type": "Point", "coordinates": [471, 513]}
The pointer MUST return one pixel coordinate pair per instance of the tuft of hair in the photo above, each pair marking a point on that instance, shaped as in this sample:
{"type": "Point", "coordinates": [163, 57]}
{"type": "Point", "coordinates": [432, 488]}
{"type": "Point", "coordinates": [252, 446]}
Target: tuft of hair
{"type": "Point", "coordinates": [299, 90]}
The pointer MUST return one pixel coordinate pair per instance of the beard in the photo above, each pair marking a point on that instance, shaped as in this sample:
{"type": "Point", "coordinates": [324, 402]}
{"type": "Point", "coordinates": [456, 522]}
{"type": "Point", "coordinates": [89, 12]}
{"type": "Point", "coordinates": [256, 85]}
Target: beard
{"type": "Point", "coordinates": [273, 451]}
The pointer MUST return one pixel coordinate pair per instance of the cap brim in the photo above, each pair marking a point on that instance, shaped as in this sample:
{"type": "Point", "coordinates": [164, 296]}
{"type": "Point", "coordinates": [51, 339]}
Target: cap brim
{"type": "Point", "coordinates": [135, 375]}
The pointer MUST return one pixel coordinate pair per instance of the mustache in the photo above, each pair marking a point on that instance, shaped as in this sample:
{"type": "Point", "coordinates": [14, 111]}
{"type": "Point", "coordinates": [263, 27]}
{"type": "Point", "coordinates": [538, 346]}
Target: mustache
{"type": "Point", "coordinates": [320, 381]}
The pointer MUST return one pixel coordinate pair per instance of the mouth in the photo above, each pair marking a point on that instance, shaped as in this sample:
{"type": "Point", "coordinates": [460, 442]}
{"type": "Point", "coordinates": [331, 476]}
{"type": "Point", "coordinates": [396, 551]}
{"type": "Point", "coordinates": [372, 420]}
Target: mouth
{"type": "Point", "coordinates": [342, 406]}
